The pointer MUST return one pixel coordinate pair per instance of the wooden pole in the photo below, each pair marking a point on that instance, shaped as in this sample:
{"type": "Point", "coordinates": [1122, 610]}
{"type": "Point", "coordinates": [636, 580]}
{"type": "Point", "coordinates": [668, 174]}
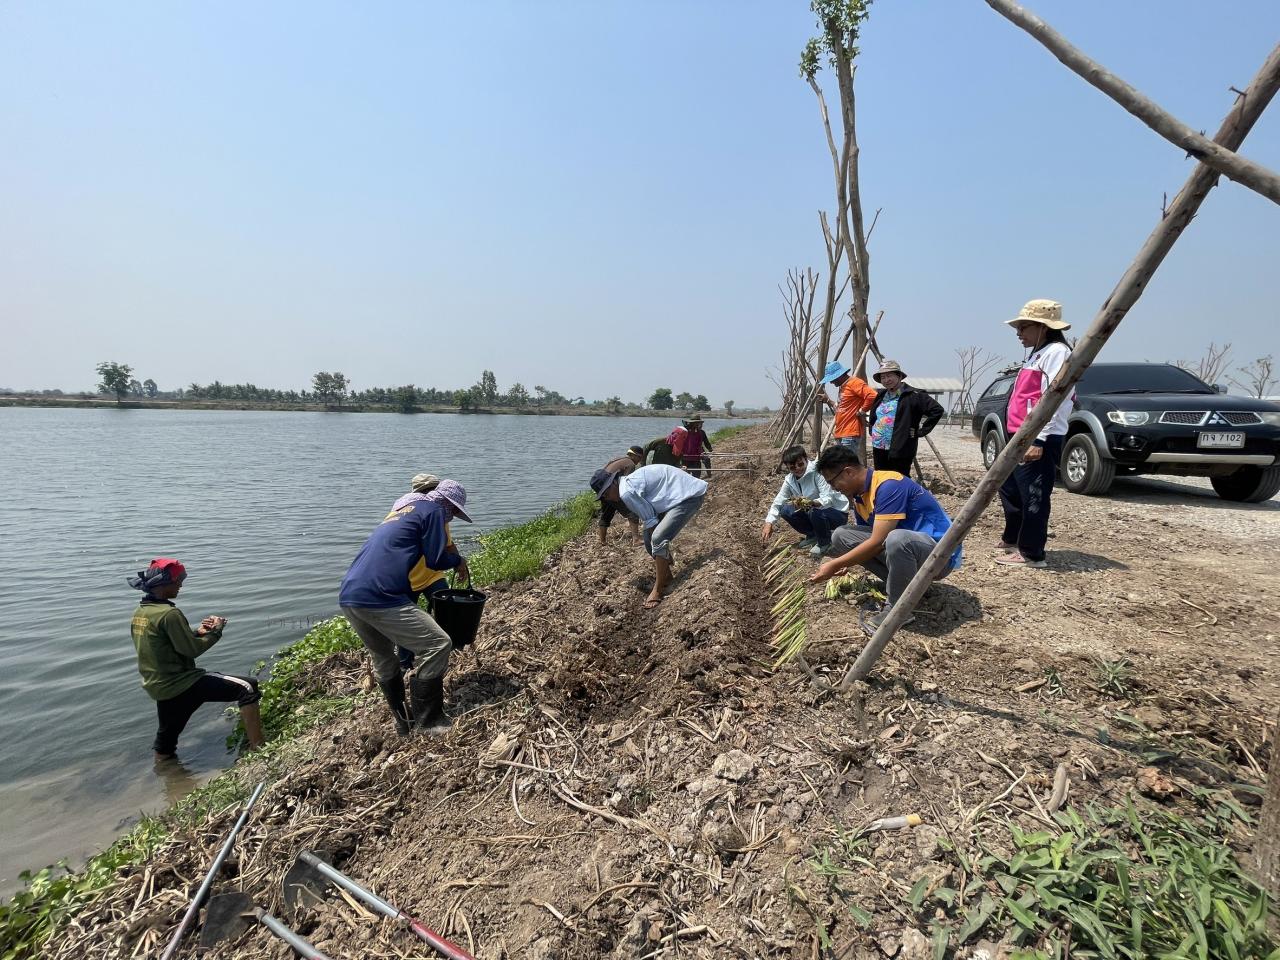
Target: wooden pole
{"type": "Point", "coordinates": [1267, 844]}
{"type": "Point", "coordinates": [1225, 161]}
{"type": "Point", "coordinates": [945, 469]}
{"type": "Point", "coordinates": [1248, 108]}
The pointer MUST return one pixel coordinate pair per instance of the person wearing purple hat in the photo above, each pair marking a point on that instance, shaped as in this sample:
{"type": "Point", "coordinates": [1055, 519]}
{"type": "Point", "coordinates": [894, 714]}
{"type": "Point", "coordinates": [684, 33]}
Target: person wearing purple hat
{"type": "Point", "coordinates": [378, 599]}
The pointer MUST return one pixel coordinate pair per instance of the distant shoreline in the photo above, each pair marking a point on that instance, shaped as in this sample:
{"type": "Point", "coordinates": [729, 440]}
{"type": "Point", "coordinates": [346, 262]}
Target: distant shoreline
{"type": "Point", "coordinates": [103, 403]}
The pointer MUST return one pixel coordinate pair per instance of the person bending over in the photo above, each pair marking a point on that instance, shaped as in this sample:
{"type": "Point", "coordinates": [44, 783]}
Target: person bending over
{"type": "Point", "coordinates": [167, 648]}
{"type": "Point", "coordinates": [377, 598]}
{"type": "Point", "coordinates": [627, 463]}
{"type": "Point", "coordinates": [665, 499]}
{"type": "Point", "coordinates": [897, 524]}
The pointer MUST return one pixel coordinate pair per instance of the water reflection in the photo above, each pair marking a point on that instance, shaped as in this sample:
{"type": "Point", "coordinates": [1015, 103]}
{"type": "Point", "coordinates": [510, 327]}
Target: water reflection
{"type": "Point", "coordinates": [178, 780]}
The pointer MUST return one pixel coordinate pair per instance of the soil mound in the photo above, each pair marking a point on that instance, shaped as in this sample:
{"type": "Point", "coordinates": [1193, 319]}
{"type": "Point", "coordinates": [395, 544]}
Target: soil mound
{"type": "Point", "coordinates": [641, 783]}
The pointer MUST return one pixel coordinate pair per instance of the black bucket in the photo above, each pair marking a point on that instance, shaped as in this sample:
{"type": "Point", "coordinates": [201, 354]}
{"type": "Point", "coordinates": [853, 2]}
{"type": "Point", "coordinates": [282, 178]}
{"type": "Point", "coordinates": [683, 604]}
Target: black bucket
{"type": "Point", "coordinates": [458, 612]}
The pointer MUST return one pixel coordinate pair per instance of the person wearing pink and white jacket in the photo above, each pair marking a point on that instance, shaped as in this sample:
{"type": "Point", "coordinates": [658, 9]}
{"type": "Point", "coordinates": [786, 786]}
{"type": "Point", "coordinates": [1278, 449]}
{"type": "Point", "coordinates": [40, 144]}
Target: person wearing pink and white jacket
{"type": "Point", "coordinates": [1026, 493]}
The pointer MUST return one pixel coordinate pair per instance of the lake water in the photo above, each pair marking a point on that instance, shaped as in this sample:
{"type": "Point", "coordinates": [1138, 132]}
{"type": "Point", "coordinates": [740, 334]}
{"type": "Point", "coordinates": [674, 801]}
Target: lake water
{"type": "Point", "coordinates": [266, 510]}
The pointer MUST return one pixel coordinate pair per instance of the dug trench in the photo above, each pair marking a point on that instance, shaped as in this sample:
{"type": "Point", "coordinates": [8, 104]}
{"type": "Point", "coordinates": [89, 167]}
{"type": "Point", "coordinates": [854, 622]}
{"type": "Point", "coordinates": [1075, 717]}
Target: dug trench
{"type": "Point", "coordinates": [643, 783]}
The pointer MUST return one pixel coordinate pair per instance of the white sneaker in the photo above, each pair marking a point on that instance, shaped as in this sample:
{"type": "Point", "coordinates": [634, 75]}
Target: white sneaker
{"type": "Point", "coordinates": [807, 543]}
{"type": "Point", "coordinates": [818, 551]}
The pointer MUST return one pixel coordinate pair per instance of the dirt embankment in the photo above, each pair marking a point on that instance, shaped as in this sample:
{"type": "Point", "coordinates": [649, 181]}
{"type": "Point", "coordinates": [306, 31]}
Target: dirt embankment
{"type": "Point", "coordinates": [641, 783]}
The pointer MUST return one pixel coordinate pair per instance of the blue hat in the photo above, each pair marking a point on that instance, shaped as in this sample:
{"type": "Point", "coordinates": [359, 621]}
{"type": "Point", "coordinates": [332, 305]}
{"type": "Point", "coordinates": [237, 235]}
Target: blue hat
{"type": "Point", "coordinates": [835, 370]}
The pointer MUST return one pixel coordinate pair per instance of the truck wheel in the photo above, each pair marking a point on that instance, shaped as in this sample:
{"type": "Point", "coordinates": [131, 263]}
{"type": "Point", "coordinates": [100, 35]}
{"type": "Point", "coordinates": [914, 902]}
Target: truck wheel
{"type": "Point", "coordinates": [1084, 470]}
{"type": "Point", "coordinates": [990, 447]}
{"type": "Point", "coordinates": [1248, 484]}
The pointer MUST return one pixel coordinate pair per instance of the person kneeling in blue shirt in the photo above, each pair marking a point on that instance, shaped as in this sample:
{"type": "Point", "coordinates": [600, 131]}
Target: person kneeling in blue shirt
{"type": "Point", "coordinates": [664, 499]}
{"type": "Point", "coordinates": [897, 523]}
{"type": "Point", "coordinates": [826, 510]}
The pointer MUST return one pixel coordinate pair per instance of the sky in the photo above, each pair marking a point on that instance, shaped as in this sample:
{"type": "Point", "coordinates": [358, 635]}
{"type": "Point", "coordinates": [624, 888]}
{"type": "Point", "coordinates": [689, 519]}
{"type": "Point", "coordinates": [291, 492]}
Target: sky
{"type": "Point", "coordinates": [595, 196]}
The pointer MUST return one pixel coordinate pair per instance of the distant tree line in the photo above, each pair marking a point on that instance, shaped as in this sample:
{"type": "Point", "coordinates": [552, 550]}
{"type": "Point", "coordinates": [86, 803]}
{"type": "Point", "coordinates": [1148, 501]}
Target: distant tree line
{"type": "Point", "coordinates": [334, 388]}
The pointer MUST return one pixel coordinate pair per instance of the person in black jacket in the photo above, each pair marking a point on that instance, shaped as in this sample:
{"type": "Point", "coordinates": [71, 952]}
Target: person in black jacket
{"type": "Point", "coordinates": [900, 416]}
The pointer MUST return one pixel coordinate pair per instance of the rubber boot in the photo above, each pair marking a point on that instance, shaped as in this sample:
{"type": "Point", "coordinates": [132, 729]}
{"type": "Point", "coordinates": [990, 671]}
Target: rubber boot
{"type": "Point", "coordinates": [427, 699]}
{"type": "Point", "coordinates": [393, 690]}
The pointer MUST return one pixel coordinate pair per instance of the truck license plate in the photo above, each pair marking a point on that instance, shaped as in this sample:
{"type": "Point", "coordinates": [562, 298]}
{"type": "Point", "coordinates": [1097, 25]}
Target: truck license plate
{"type": "Point", "coordinates": [1220, 440]}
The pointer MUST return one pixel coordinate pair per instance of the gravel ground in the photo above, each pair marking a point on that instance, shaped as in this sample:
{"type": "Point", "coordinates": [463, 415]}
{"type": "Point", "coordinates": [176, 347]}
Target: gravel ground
{"type": "Point", "coordinates": [1186, 501]}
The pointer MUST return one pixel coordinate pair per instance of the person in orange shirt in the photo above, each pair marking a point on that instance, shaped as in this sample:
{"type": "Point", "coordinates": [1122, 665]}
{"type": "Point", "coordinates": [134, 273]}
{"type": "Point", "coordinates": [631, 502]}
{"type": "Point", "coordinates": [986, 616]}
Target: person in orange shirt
{"type": "Point", "coordinates": [856, 398]}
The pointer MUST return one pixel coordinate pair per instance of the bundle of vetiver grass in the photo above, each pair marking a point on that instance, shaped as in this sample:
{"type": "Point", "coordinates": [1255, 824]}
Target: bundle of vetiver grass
{"type": "Point", "coordinates": [786, 579]}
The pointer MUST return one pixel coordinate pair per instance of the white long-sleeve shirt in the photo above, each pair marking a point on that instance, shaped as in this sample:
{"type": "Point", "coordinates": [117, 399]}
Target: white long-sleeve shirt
{"type": "Point", "coordinates": [1032, 382]}
{"type": "Point", "coordinates": [651, 491]}
{"type": "Point", "coordinates": [809, 484]}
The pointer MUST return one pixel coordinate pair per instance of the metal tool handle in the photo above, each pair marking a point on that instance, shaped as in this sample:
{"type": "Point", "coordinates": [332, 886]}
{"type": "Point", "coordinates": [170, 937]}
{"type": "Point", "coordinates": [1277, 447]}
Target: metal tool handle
{"type": "Point", "coordinates": [425, 933]}
{"type": "Point", "coordinates": [301, 945]}
{"type": "Point", "coordinates": [189, 917]}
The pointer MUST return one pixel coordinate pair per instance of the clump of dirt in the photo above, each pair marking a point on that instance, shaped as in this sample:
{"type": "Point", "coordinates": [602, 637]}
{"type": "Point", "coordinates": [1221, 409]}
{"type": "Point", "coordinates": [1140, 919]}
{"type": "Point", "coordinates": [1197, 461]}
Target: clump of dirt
{"type": "Point", "coordinates": [629, 782]}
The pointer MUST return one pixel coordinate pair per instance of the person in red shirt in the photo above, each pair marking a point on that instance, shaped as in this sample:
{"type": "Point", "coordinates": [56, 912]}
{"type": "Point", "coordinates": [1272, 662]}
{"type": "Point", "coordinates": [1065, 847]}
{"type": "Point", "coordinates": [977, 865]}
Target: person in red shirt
{"type": "Point", "coordinates": [856, 398]}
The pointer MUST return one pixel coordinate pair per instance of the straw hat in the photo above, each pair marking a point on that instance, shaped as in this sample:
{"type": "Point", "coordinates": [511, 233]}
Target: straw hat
{"type": "Point", "coordinates": [1048, 312]}
{"type": "Point", "coordinates": [888, 366]}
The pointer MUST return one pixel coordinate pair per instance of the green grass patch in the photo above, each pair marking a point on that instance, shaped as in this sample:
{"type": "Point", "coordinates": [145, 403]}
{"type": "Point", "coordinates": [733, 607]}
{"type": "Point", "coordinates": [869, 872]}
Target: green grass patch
{"type": "Point", "coordinates": [514, 553]}
{"type": "Point", "coordinates": [291, 704]}
{"type": "Point", "coordinates": [724, 433]}
{"type": "Point", "coordinates": [1120, 884]}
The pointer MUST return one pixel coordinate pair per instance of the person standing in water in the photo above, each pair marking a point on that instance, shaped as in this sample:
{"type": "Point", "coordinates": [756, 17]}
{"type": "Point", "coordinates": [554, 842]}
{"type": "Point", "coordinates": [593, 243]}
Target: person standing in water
{"type": "Point", "coordinates": [167, 648]}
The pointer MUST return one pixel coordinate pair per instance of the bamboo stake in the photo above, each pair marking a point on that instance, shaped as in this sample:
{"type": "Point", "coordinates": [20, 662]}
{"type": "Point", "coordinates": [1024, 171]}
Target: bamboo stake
{"type": "Point", "coordinates": [1248, 108]}
{"type": "Point", "coordinates": [1225, 161]}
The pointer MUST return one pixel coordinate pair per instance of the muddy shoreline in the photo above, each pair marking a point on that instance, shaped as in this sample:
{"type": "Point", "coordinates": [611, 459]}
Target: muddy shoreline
{"type": "Point", "coordinates": [636, 783]}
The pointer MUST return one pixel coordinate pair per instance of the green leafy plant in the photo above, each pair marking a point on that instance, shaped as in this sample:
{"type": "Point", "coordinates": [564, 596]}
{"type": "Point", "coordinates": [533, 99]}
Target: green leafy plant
{"type": "Point", "coordinates": [1115, 677]}
{"type": "Point", "coordinates": [1120, 884]}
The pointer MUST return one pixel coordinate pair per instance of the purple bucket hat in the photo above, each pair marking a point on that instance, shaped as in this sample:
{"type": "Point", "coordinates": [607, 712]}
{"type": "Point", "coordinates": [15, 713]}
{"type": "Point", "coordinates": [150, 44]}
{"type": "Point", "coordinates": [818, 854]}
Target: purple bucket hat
{"type": "Point", "coordinates": [453, 492]}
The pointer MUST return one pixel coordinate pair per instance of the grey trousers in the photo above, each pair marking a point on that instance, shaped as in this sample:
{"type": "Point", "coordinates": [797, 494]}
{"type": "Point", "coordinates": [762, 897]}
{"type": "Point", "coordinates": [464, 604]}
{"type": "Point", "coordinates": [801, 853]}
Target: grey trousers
{"type": "Point", "coordinates": [905, 551]}
{"type": "Point", "coordinates": [658, 540]}
{"type": "Point", "coordinates": [411, 627]}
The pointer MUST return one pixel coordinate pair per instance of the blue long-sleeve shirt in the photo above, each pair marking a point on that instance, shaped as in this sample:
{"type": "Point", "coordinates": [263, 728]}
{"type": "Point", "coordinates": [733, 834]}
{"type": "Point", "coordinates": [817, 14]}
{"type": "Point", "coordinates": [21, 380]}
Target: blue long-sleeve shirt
{"type": "Point", "coordinates": [809, 484]}
{"type": "Point", "coordinates": [379, 575]}
{"type": "Point", "coordinates": [651, 491]}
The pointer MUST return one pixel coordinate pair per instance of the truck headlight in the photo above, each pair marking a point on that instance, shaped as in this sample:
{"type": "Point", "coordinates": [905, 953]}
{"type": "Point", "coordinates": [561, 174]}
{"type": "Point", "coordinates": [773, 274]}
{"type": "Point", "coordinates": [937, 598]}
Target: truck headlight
{"type": "Point", "coordinates": [1271, 419]}
{"type": "Point", "coordinates": [1128, 418]}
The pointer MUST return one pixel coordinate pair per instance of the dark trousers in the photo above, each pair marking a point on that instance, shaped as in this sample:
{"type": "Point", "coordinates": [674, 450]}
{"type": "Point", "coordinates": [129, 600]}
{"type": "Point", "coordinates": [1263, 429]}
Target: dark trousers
{"type": "Point", "coordinates": [883, 460]}
{"type": "Point", "coordinates": [1025, 497]}
{"type": "Point", "coordinates": [174, 713]}
{"type": "Point", "coordinates": [404, 655]}
{"type": "Point", "coordinates": [817, 523]}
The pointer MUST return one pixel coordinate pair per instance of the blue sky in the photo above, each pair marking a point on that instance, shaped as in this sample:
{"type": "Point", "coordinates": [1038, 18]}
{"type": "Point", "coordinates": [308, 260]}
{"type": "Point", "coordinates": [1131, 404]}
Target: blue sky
{"type": "Point", "coordinates": [594, 196]}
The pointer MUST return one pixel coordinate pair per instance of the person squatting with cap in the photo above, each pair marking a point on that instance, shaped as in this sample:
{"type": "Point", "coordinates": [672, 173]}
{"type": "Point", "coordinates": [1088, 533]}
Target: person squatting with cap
{"type": "Point", "coordinates": [377, 598]}
{"type": "Point", "coordinates": [167, 648]}
{"type": "Point", "coordinates": [665, 499]}
{"type": "Point", "coordinates": [634, 457]}
{"type": "Point", "coordinates": [424, 581]}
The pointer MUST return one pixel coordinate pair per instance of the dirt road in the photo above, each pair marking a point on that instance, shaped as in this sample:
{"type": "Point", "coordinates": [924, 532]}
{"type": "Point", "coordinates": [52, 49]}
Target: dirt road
{"type": "Point", "coordinates": [640, 783]}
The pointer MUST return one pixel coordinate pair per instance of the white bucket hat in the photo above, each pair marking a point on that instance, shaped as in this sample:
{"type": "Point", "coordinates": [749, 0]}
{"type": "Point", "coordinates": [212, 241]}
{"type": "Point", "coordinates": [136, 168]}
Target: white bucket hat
{"type": "Point", "coordinates": [1048, 312]}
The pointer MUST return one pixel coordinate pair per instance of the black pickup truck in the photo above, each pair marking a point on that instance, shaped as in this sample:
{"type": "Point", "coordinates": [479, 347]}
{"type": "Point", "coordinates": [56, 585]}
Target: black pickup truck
{"type": "Point", "coordinates": [1152, 418]}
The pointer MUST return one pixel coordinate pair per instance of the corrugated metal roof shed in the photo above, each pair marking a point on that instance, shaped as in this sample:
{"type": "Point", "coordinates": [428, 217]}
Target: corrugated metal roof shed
{"type": "Point", "coordinates": [936, 384]}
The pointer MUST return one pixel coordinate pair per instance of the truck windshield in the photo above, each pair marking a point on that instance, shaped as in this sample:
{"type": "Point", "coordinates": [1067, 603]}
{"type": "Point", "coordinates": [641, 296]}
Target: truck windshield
{"type": "Point", "coordinates": [1140, 378]}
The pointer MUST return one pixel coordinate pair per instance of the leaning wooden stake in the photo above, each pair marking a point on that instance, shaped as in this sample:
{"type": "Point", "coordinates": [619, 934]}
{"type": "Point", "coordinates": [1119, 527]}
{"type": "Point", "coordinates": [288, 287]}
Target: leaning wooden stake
{"type": "Point", "coordinates": [1224, 160]}
{"type": "Point", "coordinates": [1235, 128]}
{"type": "Point", "coordinates": [1267, 846]}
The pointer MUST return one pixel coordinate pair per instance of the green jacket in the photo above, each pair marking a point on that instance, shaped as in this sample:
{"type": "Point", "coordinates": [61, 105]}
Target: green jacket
{"type": "Point", "coordinates": [167, 648]}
